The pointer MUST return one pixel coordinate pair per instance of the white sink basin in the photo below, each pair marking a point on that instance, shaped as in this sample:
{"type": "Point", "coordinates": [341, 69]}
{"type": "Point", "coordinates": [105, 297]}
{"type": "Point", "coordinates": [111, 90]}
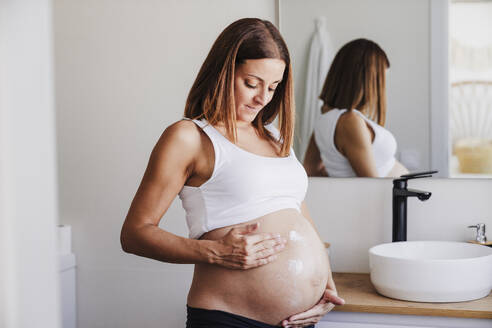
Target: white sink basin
{"type": "Point", "coordinates": [431, 271]}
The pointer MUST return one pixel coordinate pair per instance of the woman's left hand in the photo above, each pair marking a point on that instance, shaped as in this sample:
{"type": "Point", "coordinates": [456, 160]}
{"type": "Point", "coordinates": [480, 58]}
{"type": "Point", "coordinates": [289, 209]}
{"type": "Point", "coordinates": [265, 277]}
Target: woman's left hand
{"type": "Point", "coordinates": [314, 314]}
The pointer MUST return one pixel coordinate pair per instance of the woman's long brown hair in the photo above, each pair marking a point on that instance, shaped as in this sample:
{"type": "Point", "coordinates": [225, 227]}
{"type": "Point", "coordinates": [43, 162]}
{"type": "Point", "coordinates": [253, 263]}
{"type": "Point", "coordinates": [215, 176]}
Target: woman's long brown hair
{"type": "Point", "coordinates": [212, 94]}
{"type": "Point", "coordinates": [356, 80]}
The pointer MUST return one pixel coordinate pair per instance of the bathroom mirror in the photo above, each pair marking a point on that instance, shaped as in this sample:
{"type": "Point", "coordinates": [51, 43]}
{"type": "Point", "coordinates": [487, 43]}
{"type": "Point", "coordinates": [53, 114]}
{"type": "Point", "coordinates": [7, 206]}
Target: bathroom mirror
{"type": "Point", "coordinates": [414, 34]}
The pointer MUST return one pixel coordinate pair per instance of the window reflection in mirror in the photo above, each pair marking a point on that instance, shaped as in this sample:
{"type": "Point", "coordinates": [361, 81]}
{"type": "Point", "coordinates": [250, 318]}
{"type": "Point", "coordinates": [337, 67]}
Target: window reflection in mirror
{"type": "Point", "coordinates": [470, 101]}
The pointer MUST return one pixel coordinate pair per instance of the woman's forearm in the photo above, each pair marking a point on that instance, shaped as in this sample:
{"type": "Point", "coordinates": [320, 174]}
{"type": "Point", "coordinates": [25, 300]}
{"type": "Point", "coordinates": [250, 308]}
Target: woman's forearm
{"type": "Point", "coordinates": [241, 248]}
{"type": "Point", "coordinates": [153, 242]}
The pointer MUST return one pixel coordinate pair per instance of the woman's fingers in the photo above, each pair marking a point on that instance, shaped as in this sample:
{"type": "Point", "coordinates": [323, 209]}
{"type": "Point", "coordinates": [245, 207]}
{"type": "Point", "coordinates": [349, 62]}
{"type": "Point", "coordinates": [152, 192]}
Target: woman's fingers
{"type": "Point", "coordinates": [316, 311]}
{"type": "Point", "coordinates": [258, 245]}
{"type": "Point", "coordinates": [332, 297]}
{"type": "Point", "coordinates": [256, 238]}
{"type": "Point", "coordinates": [303, 323]}
{"type": "Point", "coordinates": [265, 244]}
{"type": "Point", "coordinates": [247, 263]}
{"type": "Point", "coordinates": [313, 315]}
{"type": "Point", "coordinates": [259, 262]}
{"type": "Point", "coordinates": [249, 228]}
{"type": "Point", "coordinates": [245, 249]}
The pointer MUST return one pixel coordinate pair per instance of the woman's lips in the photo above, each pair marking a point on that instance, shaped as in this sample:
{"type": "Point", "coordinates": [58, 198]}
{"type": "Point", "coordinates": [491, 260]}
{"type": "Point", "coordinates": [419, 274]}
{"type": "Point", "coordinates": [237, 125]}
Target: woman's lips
{"type": "Point", "coordinates": [252, 108]}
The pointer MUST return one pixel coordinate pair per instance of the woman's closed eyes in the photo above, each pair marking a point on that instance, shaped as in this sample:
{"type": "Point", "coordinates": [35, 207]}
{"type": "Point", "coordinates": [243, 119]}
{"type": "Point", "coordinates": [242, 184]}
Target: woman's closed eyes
{"type": "Point", "coordinates": [254, 86]}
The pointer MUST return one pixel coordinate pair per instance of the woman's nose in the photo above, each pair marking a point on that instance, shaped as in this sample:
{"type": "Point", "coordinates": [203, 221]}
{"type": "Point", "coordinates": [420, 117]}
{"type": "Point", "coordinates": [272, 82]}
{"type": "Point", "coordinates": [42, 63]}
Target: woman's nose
{"type": "Point", "coordinates": [262, 96]}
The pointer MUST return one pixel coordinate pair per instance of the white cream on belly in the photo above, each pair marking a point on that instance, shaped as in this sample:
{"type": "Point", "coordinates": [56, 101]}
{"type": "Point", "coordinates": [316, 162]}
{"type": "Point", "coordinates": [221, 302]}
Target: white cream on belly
{"type": "Point", "coordinates": [295, 266]}
{"type": "Point", "coordinates": [295, 236]}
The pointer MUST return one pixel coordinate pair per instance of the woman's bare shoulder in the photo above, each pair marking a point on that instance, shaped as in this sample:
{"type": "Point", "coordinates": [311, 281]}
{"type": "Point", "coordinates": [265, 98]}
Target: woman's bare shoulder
{"type": "Point", "coordinates": [350, 122]}
{"type": "Point", "coordinates": [183, 129]}
{"type": "Point", "coordinates": [352, 130]}
{"type": "Point", "coordinates": [182, 135]}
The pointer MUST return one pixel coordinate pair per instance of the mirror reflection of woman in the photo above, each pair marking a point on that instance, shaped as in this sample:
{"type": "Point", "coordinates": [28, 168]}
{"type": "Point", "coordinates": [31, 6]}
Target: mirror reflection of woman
{"type": "Point", "coordinates": [349, 139]}
{"type": "Point", "coordinates": [259, 261]}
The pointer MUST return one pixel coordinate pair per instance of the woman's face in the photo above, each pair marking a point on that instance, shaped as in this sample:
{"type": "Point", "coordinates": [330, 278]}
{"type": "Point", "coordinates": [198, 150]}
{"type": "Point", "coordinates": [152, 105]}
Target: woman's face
{"type": "Point", "coordinates": [254, 85]}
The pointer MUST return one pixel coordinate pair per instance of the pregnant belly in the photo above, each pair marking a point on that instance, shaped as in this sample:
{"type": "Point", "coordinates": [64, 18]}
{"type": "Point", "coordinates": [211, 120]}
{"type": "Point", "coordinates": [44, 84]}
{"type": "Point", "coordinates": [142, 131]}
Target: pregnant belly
{"type": "Point", "coordinates": [291, 284]}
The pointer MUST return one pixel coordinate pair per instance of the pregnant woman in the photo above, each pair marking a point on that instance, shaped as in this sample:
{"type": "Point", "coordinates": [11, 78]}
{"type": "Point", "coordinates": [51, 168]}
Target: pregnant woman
{"type": "Point", "coordinates": [259, 261]}
{"type": "Point", "coordinates": [349, 138]}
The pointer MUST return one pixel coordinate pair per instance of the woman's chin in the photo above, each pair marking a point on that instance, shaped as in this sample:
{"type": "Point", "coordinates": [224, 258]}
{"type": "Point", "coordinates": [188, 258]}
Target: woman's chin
{"type": "Point", "coordinates": [247, 117]}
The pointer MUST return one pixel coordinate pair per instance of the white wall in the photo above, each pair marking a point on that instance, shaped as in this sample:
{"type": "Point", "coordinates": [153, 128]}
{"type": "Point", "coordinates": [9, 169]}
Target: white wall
{"type": "Point", "coordinates": [123, 71]}
{"type": "Point", "coordinates": [28, 187]}
{"type": "Point", "coordinates": [402, 29]}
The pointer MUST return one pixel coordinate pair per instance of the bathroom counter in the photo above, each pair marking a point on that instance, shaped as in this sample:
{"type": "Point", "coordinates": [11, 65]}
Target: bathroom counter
{"type": "Point", "coordinates": [360, 296]}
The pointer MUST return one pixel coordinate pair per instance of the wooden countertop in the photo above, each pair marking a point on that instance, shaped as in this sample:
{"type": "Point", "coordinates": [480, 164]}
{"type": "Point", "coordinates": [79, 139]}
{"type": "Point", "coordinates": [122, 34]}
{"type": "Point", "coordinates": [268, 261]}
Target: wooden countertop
{"type": "Point", "coordinates": [360, 296]}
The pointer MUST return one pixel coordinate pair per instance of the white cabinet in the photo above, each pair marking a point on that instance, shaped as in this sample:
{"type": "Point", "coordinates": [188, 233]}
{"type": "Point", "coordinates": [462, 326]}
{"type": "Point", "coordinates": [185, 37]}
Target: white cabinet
{"type": "Point", "coordinates": [376, 320]}
{"type": "Point", "coordinates": [67, 290]}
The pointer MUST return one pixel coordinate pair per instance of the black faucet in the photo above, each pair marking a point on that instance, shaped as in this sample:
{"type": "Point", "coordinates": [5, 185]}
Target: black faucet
{"type": "Point", "coordinates": [400, 195]}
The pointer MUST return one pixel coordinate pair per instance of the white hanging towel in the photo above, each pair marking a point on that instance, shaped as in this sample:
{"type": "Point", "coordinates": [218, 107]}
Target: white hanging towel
{"type": "Point", "coordinates": [321, 54]}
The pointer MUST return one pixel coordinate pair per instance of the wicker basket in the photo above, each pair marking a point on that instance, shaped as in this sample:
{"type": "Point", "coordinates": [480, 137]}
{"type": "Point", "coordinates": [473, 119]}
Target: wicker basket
{"type": "Point", "coordinates": [474, 155]}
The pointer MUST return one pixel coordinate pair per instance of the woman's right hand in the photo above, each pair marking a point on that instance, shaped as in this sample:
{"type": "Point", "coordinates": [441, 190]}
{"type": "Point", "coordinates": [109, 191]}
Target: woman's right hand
{"type": "Point", "coordinates": [243, 249]}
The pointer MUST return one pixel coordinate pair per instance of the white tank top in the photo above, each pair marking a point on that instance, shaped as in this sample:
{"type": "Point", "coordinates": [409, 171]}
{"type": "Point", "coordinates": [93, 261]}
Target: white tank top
{"type": "Point", "coordinates": [243, 186]}
{"type": "Point", "coordinates": [336, 164]}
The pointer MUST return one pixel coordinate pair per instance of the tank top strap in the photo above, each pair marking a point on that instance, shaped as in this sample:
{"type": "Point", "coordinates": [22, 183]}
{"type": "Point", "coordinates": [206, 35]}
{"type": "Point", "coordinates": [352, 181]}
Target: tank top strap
{"type": "Point", "coordinates": [217, 140]}
{"type": "Point", "coordinates": [365, 118]}
{"type": "Point", "coordinates": [209, 130]}
{"type": "Point", "coordinates": [361, 115]}
{"type": "Point", "coordinates": [214, 135]}
{"type": "Point", "coordinates": [376, 128]}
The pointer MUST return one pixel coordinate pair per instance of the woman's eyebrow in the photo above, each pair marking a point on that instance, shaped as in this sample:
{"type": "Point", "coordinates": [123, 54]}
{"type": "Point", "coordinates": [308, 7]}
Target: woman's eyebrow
{"type": "Point", "coordinates": [259, 78]}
